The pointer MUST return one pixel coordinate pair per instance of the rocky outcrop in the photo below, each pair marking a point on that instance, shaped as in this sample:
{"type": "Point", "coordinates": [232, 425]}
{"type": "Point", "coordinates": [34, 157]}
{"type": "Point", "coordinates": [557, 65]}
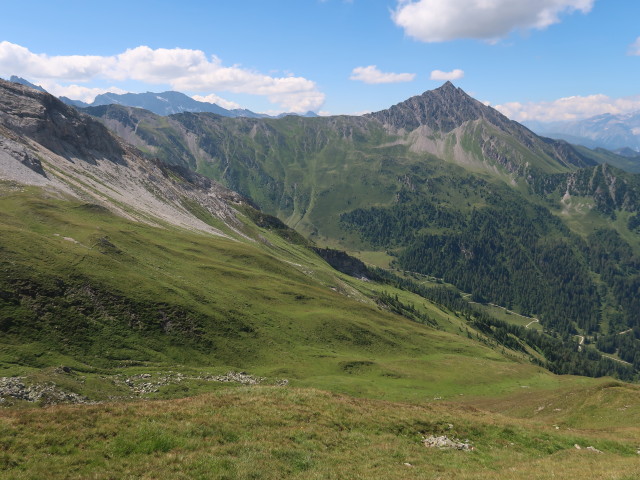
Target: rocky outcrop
{"type": "Point", "coordinates": [48, 393]}
{"type": "Point", "coordinates": [47, 143]}
{"type": "Point", "coordinates": [610, 188]}
{"type": "Point", "coordinates": [20, 152]}
{"type": "Point", "coordinates": [61, 129]}
{"type": "Point", "coordinates": [446, 443]}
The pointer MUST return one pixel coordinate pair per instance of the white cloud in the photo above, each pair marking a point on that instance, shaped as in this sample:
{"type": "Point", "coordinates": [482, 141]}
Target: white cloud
{"type": "Point", "coordinates": [77, 92]}
{"type": "Point", "coordinates": [452, 75]}
{"type": "Point", "coordinates": [19, 60]}
{"type": "Point", "coordinates": [444, 20]}
{"type": "Point", "coordinates": [634, 48]}
{"type": "Point", "coordinates": [372, 75]}
{"type": "Point", "coordinates": [213, 98]}
{"type": "Point", "coordinates": [181, 69]}
{"type": "Point", "coordinates": [569, 108]}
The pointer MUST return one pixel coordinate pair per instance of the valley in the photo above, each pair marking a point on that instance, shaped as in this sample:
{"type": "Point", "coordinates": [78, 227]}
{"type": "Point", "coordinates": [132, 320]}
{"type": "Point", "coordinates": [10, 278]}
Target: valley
{"type": "Point", "coordinates": [440, 185]}
{"type": "Point", "coordinates": [147, 261]}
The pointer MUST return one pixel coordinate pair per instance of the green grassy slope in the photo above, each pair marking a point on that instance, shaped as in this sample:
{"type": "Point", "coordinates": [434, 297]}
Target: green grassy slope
{"type": "Point", "coordinates": [85, 288]}
{"type": "Point", "coordinates": [274, 433]}
{"type": "Point", "coordinates": [601, 155]}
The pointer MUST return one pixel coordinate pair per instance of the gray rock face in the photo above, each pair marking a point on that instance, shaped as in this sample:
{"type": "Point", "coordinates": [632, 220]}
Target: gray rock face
{"type": "Point", "coordinates": [20, 152]}
{"type": "Point", "coordinates": [442, 110]}
{"type": "Point", "coordinates": [449, 109]}
{"type": "Point", "coordinates": [46, 120]}
{"type": "Point", "coordinates": [46, 143]}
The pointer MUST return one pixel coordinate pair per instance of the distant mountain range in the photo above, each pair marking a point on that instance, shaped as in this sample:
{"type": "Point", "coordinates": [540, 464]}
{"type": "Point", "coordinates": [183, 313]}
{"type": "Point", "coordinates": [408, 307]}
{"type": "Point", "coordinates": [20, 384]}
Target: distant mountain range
{"type": "Point", "coordinates": [169, 103]}
{"type": "Point", "coordinates": [608, 131]}
{"type": "Point", "coordinates": [165, 103]}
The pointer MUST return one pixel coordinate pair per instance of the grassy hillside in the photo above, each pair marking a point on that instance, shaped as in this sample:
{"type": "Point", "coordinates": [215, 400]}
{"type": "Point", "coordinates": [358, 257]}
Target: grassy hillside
{"type": "Point", "coordinates": [276, 432]}
{"type": "Point", "coordinates": [84, 288]}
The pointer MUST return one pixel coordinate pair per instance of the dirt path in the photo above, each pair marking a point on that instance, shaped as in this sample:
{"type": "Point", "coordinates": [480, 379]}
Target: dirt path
{"type": "Point", "coordinates": [617, 360]}
{"type": "Point", "coordinates": [532, 321]}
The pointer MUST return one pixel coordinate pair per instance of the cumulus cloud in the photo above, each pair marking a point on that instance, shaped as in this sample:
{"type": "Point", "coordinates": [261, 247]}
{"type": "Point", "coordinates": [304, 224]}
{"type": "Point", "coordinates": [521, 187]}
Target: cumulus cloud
{"type": "Point", "coordinates": [15, 58]}
{"type": "Point", "coordinates": [569, 108]}
{"type": "Point", "coordinates": [372, 75]}
{"type": "Point", "coordinates": [181, 69]}
{"type": "Point", "coordinates": [444, 20]}
{"type": "Point", "coordinates": [77, 92]}
{"type": "Point", "coordinates": [634, 48]}
{"type": "Point", "coordinates": [213, 98]}
{"type": "Point", "coordinates": [452, 75]}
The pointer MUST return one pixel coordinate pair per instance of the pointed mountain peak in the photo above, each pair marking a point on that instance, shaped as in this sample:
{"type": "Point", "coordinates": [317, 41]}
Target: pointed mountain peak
{"type": "Point", "coordinates": [442, 109]}
{"type": "Point", "coordinates": [449, 91]}
{"type": "Point", "coordinates": [447, 86]}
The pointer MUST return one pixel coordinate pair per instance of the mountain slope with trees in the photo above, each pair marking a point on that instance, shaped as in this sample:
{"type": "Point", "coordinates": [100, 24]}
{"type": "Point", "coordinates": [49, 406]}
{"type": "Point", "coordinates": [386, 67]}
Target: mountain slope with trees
{"type": "Point", "coordinates": [440, 183]}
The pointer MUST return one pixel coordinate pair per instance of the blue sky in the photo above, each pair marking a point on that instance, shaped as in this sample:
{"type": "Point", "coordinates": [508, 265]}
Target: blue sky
{"type": "Point", "coordinates": [534, 59]}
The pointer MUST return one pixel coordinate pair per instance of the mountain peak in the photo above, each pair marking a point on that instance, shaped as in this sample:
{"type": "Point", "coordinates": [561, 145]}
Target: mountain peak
{"type": "Point", "coordinates": [48, 121]}
{"type": "Point", "coordinates": [26, 83]}
{"type": "Point", "coordinates": [447, 86]}
{"type": "Point", "coordinates": [442, 109]}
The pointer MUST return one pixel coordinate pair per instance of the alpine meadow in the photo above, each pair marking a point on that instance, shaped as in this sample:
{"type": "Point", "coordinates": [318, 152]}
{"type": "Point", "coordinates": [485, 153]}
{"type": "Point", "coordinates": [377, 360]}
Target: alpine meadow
{"type": "Point", "coordinates": [427, 288]}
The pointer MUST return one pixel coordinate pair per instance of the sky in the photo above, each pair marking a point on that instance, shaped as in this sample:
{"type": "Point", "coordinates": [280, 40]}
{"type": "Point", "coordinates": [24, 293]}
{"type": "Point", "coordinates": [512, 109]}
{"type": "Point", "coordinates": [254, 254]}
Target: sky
{"type": "Point", "coordinates": [543, 60]}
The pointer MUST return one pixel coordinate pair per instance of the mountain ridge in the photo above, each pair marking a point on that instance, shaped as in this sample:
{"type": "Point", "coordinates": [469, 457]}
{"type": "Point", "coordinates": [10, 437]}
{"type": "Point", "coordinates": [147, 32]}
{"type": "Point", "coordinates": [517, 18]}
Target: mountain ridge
{"type": "Point", "coordinates": [610, 131]}
{"type": "Point", "coordinates": [324, 175]}
{"type": "Point", "coordinates": [391, 182]}
{"type": "Point", "coordinates": [161, 103]}
{"type": "Point", "coordinates": [47, 143]}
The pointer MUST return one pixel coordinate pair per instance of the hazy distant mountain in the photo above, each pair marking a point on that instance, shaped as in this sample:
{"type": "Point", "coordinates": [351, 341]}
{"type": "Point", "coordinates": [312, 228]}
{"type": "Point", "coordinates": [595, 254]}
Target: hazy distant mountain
{"type": "Point", "coordinates": [308, 114]}
{"type": "Point", "coordinates": [165, 103]}
{"type": "Point", "coordinates": [27, 83]}
{"type": "Point", "coordinates": [627, 152]}
{"type": "Point", "coordinates": [74, 103]}
{"type": "Point", "coordinates": [169, 103]}
{"type": "Point", "coordinates": [607, 131]}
